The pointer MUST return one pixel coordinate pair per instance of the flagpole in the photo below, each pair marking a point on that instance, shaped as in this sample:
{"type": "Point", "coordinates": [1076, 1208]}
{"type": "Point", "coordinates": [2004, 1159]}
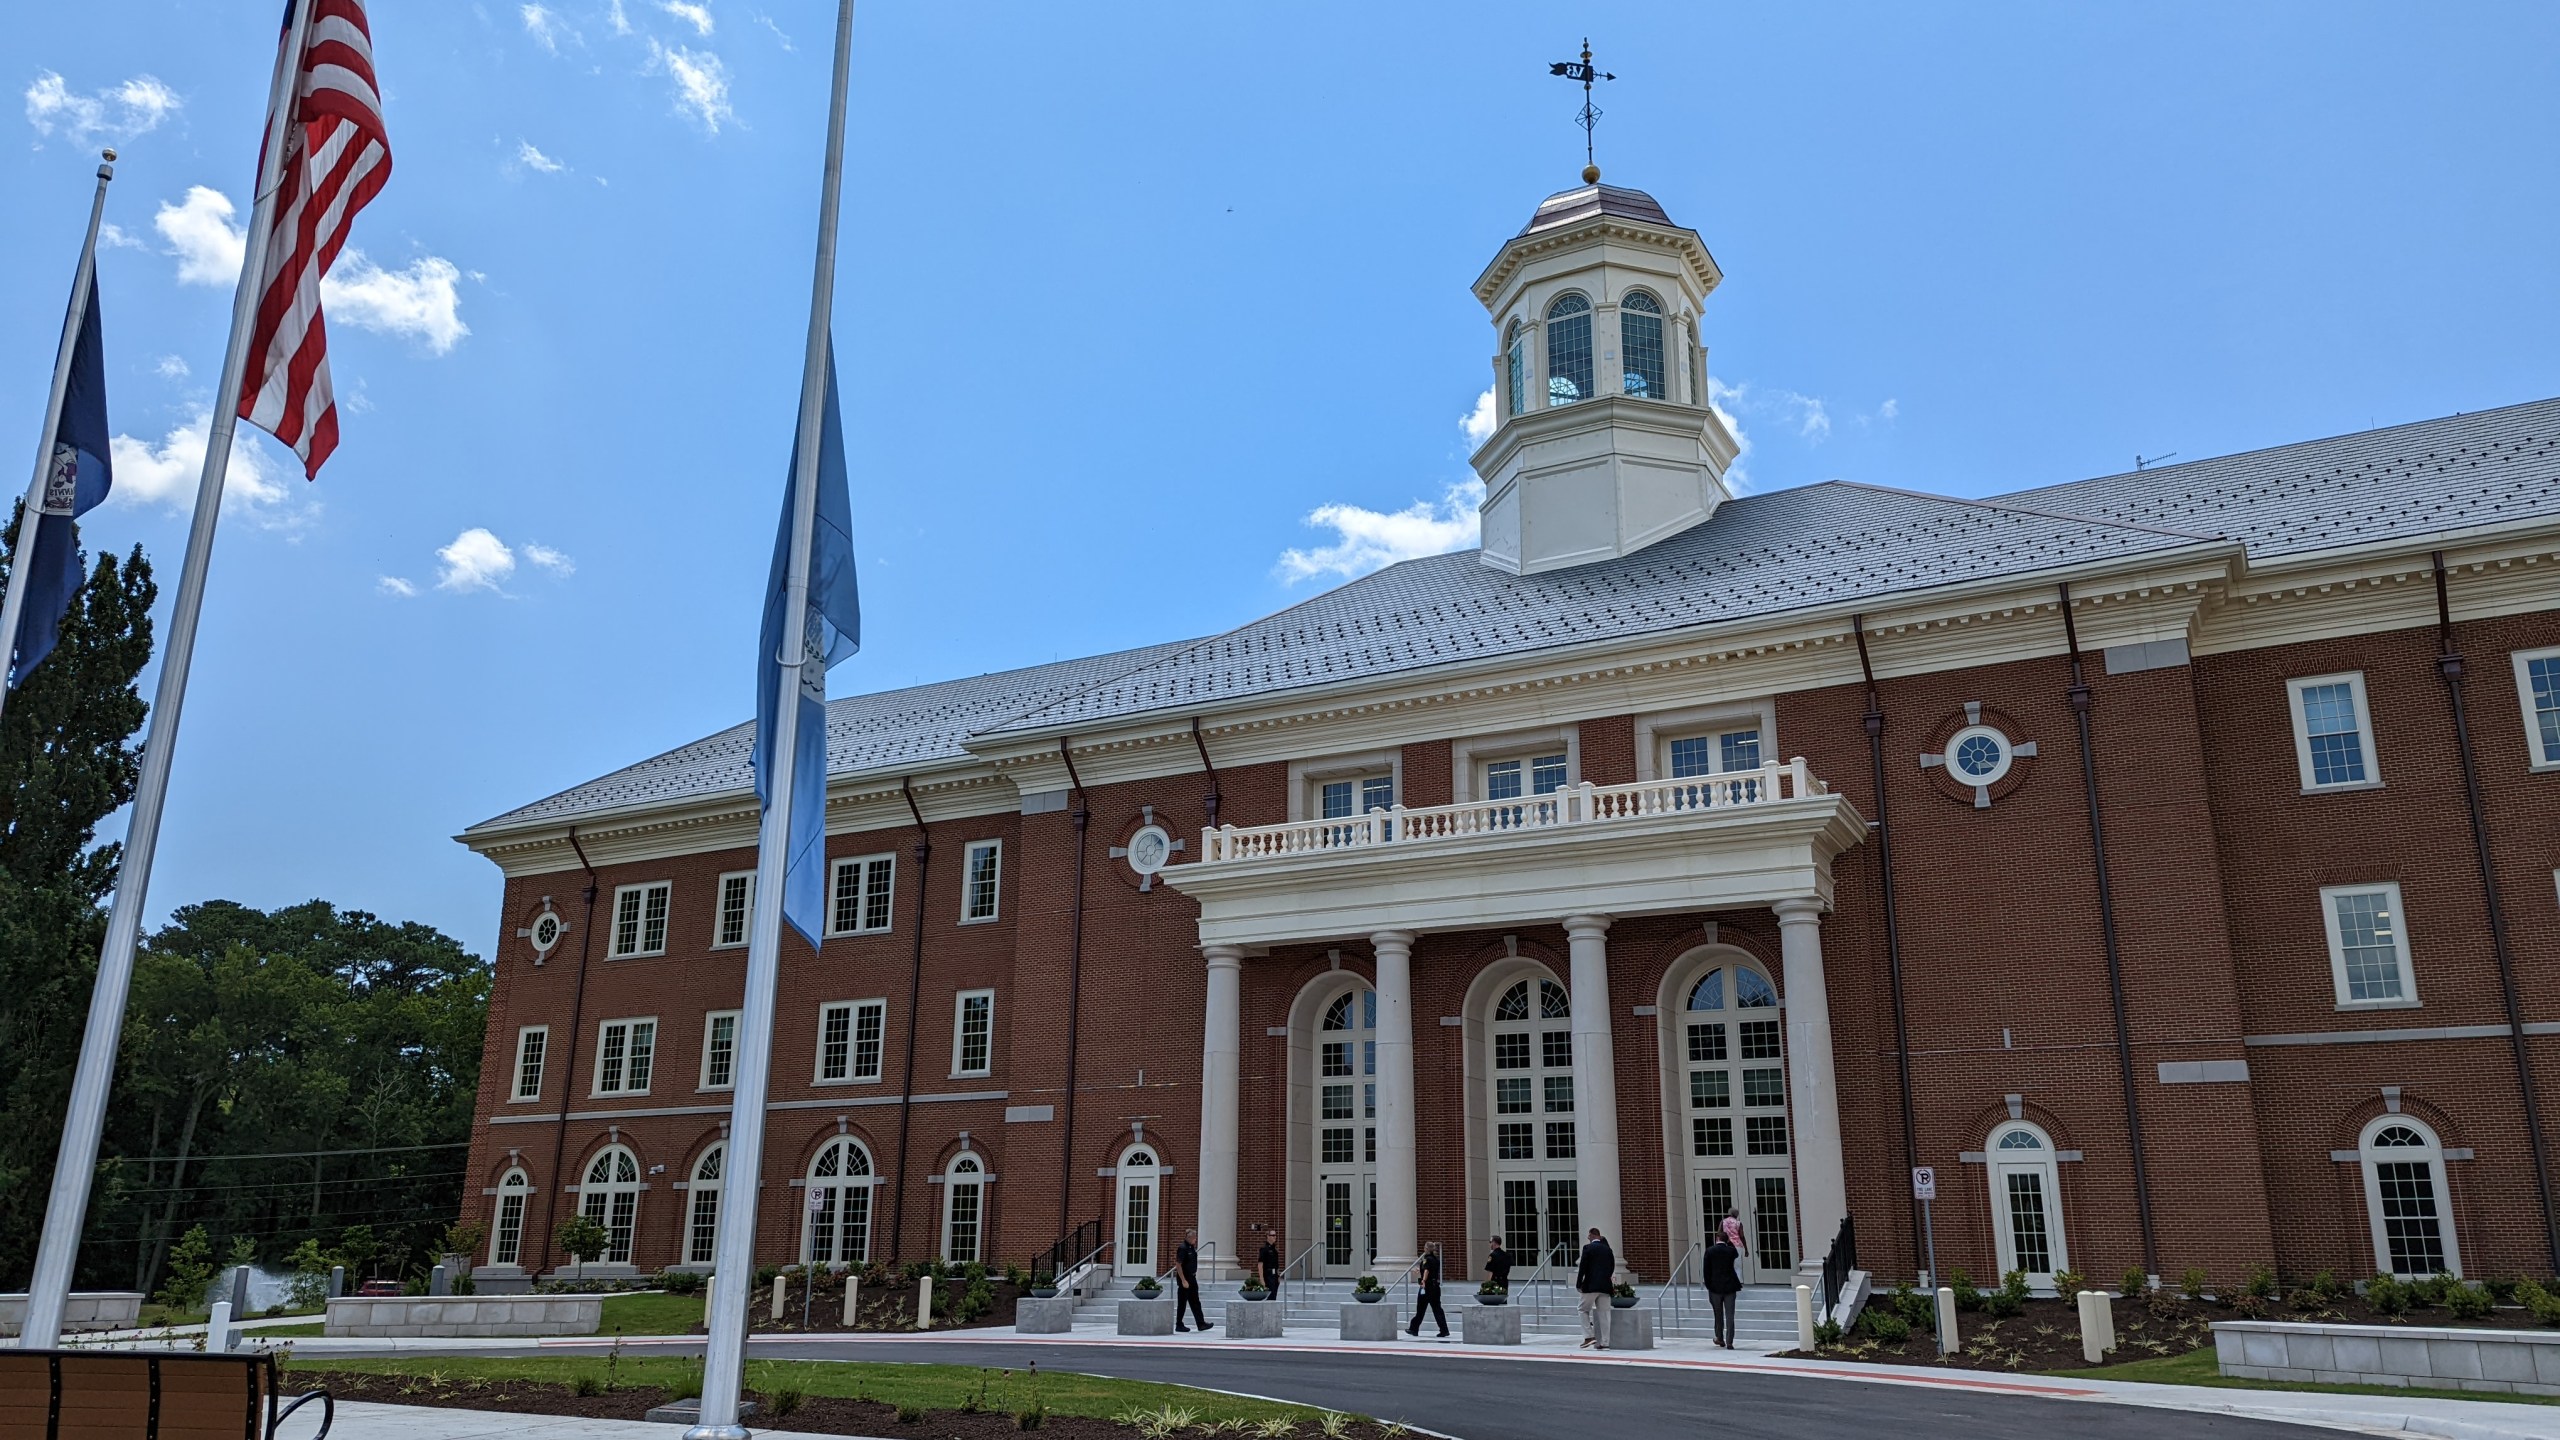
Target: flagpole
{"type": "Point", "coordinates": [15, 605]}
{"type": "Point", "coordinates": [724, 1358]}
{"type": "Point", "coordinates": [67, 1208]}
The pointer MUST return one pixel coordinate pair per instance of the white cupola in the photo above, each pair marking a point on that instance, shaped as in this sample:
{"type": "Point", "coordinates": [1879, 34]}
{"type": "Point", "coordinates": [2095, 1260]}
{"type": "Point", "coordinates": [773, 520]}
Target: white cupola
{"type": "Point", "coordinates": [1605, 443]}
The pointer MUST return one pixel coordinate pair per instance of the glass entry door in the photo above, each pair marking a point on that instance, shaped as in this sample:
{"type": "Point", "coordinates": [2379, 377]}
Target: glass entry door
{"type": "Point", "coordinates": [1347, 1135]}
{"type": "Point", "coordinates": [1733, 1052]}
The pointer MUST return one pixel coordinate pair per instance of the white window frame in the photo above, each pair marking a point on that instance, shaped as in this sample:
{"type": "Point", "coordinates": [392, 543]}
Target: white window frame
{"type": "Point", "coordinates": [1468, 758]}
{"type": "Point", "coordinates": [2045, 1160]}
{"type": "Point", "coordinates": [746, 881]}
{"type": "Point", "coordinates": [517, 1094]}
{"type": "Point", "coordinates": [710, 1024]}
{"type": "Point", "coordinates": [623, 1075]}
{"type": "Point", "coordinates": [960, 1030]}
{"type": "Point", "coordinates": [967, 1171]}
{"type": "Point", "coordinates": [854, 1011]}
{"type": "Point", "coordinates": [515, 1185]}
{"type": "Point", "coordinates": [2354, 681]}
{"type": "Point", "coordinates": [969, 882]}
{"type": "Point", "coordinates": [861, 864]}
{"type": "Point", "coordinates": [640, 948]}
{"type": "Point", "coordinates": [2367, 1157]}
{"type": "Point", "coordinates": [2407, 999]}
{"type": "Point", "coordinates": [1655, 732]}
{"type": "Point", "coordinates": [700, 1192]}
{"type": "Point", "coordinates": [1307, 778]}
{"type": "Point", "coordinates": [2541, 759]}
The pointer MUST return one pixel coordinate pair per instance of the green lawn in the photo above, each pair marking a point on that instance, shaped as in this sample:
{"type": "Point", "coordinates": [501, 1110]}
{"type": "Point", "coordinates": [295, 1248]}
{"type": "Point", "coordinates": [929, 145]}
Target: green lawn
{"type": "Point", "coordinates": [935, 1387]}
{"type": "Point", "coordinates": [2197, 1367]}
{"type": "Point", "coordinates": [655, 1313]}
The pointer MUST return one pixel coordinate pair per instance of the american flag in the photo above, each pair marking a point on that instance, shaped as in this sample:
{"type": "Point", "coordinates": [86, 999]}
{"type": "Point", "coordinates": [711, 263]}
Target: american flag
{"type": "Point", "coordinates": [336, 159]}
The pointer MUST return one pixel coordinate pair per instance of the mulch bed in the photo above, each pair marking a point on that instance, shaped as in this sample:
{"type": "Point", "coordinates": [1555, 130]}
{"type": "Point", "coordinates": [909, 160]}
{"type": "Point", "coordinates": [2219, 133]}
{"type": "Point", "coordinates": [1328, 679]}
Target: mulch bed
{"type": "Point", "coordinates": [890, 1307]}
{"type": "Point", "coordinates": [824, 1414]}
{"type": "Point", "coordinates": [2045, 1335]}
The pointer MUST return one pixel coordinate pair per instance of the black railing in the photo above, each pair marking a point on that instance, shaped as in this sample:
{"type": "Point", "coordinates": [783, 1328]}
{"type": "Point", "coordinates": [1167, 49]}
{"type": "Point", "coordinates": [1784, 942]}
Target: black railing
{"type": "Point", "coordinates": [1837, 1265]}
{"type": "Point", "coordinates": [1070, 1250]}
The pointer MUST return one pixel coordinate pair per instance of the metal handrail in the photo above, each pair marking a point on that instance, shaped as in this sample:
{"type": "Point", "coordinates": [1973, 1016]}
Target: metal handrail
{"type": "Point", "coordinates": [1838, 1265]}
{"type": "Point", "coordinates": [1076, 1271]}
{"type": "Point", "coordinates": [1541, 1297]}
{"type": "Point", "coordinates": [1304, 1281]}
{"type": "Point", "coordinates": [1390, 1285]}
{"type": "Point", "coordinates": [1671, 1287]}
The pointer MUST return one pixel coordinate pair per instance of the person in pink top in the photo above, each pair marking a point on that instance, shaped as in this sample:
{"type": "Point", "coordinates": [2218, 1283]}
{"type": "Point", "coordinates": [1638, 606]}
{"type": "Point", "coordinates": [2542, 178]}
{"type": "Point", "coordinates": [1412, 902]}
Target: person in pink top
{"type": "Point", "coordinates": [1733, 1231]}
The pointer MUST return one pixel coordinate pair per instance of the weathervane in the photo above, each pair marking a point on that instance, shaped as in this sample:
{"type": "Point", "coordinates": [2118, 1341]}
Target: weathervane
{"type": "Point", "coordinates": [1590, 116]}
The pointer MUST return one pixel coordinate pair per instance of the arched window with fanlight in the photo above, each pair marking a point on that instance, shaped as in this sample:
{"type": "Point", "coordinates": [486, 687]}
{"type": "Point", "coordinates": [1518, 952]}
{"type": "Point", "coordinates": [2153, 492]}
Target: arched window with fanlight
{"type": "Point", "coordinates": [702, 1209]}
{"type": "Point", "coordinates": [1141, 1212]}
{"type": "Point", "coordinates": [611, 1198]}
{"type": "Point", "coordinates": [964, 1192]}
{"type": "Point", "coordinates": [1568, 350]}
{"type": "Point", "coordinates": [1640, 346]}
{"type": "Point", "coordinates": [1534, 1141]}
{"type": "Point", "coordinates": [1515, 368]}
{"type": "Point", "coordinates": [2406, 1198]}
{"type": "Point", "coordinates": [836, 1222]}
{"type": "Point", "coordinates": [1347, 1131]}
{"type": "Point", "coordinates": [2026, 1202]}
{"type": "Point", "coordinates": [506, 1237]}
{"type": "Point", "coordinates": [1733, 1060]}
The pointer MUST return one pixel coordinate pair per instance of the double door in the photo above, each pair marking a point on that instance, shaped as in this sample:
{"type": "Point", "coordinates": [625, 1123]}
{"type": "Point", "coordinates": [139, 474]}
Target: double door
{"type": "Point", "coordinates": [1350, 1223]}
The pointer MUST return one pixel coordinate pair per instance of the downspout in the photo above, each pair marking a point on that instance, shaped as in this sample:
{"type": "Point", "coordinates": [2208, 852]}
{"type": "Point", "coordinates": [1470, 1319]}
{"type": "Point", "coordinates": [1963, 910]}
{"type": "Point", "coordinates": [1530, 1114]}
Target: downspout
{"type": "Point", "coordinates": [2449, 665]}
{"type": "Point", "coordinates": [2079, 694]}
{"type": "Point", "coordinates": [1075, 992]}
{"type": "Point", "coordinates": [915, 995]}
{"type": "Point", "coordinates": [569, 1072]}
{"type": "Point", "coordinates": [1210, 801]}
{"type": "Point", "coordinates": [1892, 929]}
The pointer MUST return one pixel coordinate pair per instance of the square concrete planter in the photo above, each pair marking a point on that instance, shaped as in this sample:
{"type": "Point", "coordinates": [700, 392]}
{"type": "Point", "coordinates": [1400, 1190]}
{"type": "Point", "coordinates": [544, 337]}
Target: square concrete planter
{"type": "Point", "coordinates": [1147, 1317]}
{"type": "Point", "coordinates": [1368, 1322]}
{"type": "Point", "coordinates": [1053, 1316]}
{"type": "Point", "coordinates": [459, 1315]}
{"type": "Point", "coordinates": [1490, 1324]}
{"type": "Point", "coordinates": [1253, 1319]}
{"type": "Point", "coordinates": [1628, 1329]}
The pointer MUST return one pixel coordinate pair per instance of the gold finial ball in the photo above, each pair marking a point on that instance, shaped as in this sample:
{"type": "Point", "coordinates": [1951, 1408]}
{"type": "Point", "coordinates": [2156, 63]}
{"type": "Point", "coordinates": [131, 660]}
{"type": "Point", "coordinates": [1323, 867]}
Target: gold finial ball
{"type": "Point", "coordinates": [107, 155]}
{"type": "Point", "coordinates": [1590, 174]}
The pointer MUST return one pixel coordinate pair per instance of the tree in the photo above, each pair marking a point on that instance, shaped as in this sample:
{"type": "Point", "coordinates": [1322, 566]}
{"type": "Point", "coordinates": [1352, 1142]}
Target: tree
{"type": "Point", "coordinates": [190, 1272]}
{"type": "Point", "coordinates": [583, 1238]}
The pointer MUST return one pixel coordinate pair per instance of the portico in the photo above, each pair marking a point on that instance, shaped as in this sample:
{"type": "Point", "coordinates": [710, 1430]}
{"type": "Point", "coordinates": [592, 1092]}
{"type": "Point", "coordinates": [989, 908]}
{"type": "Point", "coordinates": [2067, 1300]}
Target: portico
{"type": "Point", "coordinates": [1580, 858]}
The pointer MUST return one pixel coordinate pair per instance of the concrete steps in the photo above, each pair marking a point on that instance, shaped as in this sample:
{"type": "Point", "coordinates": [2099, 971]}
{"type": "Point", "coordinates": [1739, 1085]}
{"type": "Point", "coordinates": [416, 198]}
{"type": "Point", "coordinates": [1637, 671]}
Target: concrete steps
{"type": "Point", "coordinates": [1764, 1318]}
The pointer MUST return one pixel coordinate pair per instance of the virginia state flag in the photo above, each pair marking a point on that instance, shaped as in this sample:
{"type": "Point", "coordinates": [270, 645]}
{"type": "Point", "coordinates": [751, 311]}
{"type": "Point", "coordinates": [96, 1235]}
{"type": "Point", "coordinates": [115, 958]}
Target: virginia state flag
{"type": "Point", "coordinates": [75, 480]}
{"type": "Point", "coordinates": [834, 632]}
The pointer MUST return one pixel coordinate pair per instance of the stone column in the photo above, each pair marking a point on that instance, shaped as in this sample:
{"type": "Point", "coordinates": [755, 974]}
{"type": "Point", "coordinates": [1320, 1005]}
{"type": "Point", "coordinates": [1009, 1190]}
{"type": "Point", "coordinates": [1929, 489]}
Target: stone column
{"type": "Point", "coordinates": [1822, 1187]}
{"type": "Point", "coordinates": [1221, 1069]}
{"type": "Point", "coordinates": [1398, 1242]}
{"type": "Point", "coordinates": [1595, 1081]}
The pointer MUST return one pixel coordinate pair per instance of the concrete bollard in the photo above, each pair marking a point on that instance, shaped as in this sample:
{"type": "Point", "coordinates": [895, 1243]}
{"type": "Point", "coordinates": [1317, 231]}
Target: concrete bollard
{"type": "Point", "coordinates": [710, 1296]}
{"type": "Point", "coordinates": [439, 1283]}
{"type": "Point", "coordinates": [217, 1330]}
{"type": "Point", "coordinates": [1947, 1341]}
{"type": "Point", "coordinates": [924, 1302]}
{"type": "Point", "coordinates": [240, 1291]}
{"type": "Point", "coordinates": [1804, 1317]}
{"type": "Point", "coordinates": [852, 1298]}
{"type": "Point", "coordinates": [337, 1281]}
{"type": "Point", "coordinates": [781, 1293]}
{"type": "Point", "coordinates": [2097, 1325]}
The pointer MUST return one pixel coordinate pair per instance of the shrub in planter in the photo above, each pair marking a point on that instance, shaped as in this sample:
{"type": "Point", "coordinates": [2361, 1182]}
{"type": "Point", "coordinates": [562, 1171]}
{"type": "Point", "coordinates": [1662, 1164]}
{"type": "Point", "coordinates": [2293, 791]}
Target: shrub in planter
{"type": "Point", "coordinates": [1489, 1293]}
{"type": "Point", "coordinates": [2262, 1283]}
{"type": "Point", "coordinates": [1368, 1291]}
{"type": "Point", "coordinates": [2133, 1281]}
{"type": "Point", "coordinates": [2467, 1303]}
{"type": "Point", "coordinates": [1884, 1325]}
{"type": "Point", "coordinates": [2501, 1291]}
{"type": "Point", "coordinates": [2323, 1291]}
{"type": "Point", "coordinates": [2010, 1299]}
{"type": "Point", "coordinates": [1968, 1298]}
{"type": "Point", "coordinates": [2538, 1302]}
{"type": "Point", "coordinates": [2192, 1283]}
{"type": "Point", "coordinates": [1044, 1287]}
{"type": "Point", "coordinates": [1914, 1308]}
{"type": "Point", "coordinates": [1253, 1291]}
{"type": "Point", "coordinates": [1826, 1334]}
{"type": "Point", "coordinates": [2069, 1283]}
{"type": "Point", "coordinates": [1622, 1298]}
{"type": "Point", "coordinates": [1147, 1288]}
{"type": "Point", "coordinates": [2387, 1296]}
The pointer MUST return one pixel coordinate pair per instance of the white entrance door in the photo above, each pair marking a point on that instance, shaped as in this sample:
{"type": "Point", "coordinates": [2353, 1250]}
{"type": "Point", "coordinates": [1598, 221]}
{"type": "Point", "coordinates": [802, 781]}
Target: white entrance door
{"type": "Point", "coordinates": [1140, 1217]}
{"type": "Point", "coordinates": [2026, 1203]}
{"type": "Point", "coordinates": [1347, 1134]}
{"type": "Point", "coordinates": [1534, 1140]}
{"type": "Point", "coordinates": [1734, 1060]}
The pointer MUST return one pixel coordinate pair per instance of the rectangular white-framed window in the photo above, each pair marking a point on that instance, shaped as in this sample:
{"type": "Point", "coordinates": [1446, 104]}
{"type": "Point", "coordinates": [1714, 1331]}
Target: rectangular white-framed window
{"type": "Point", "coordinates": [2333, 732]}
{"type": "Point", "coordinates": [1726, 750]}
{"type": "Point", "coordinates": [849, 1040]}
{"type": "Point", "coordinates": [973, 1033]}
{"type": "Point", "coordinates": [720, 1050]}
{"type": "Point", "coordinates": [870, 1026]}
{"type": "Point", "coordinates": [626, 1051]}
{"type": "Point", "coordinates": [736, 909]}
{"type": "Point", "coordinates": [533, 1042]}
{"type": "Point", "coordinates": [1341, 797]}
{"type": "Point", "coordinates": [1339, 787]}
{"type": "Point", "coordinates": [981, 881]}
{"type": "Point", "coordinates": [1515, 776]}
{"type": "Point", "coordinates": [864, 888]}
{"type": "Point", "coordinates": [1516, 765]}
{"type": "Point", "coordinates": [639, 920]}
{"type": "Point", "coordinates": [2368, 946]}
{"type": "Point", "coordinates": [2538, 691]}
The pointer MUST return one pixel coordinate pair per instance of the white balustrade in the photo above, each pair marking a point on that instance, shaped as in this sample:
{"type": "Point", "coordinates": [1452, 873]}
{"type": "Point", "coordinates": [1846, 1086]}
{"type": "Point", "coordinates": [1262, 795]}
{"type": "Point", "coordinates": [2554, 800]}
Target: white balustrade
{"type": "Point", "coordinates": [1584, 804]}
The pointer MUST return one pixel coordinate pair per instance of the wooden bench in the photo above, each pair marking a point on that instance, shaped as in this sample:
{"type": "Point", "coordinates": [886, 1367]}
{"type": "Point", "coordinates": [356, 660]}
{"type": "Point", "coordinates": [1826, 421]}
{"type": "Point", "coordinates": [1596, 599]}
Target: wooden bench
{"type": "Point", "coordinates": [146, 1395]}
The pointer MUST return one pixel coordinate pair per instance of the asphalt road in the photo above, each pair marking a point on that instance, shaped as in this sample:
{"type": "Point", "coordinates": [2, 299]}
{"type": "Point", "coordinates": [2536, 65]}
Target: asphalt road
{"type": "Point", "coordinates": [1489, 1399]}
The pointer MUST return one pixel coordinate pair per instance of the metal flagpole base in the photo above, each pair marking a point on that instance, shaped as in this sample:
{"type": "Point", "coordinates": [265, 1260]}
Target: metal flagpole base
{"type": "Point", "coordinates": [719, 1432]}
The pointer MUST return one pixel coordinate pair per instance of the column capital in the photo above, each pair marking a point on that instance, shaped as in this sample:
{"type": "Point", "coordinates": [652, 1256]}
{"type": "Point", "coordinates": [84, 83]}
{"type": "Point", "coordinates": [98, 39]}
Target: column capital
{"type": "Point", "coordinates": [1397, 939]}
{"type": "Point", "coordinates": [1579, 925]}
{"type": "Point", "coordinates": [1803, 910]}
{"type": "Point", "coordinates": [1223, 957]}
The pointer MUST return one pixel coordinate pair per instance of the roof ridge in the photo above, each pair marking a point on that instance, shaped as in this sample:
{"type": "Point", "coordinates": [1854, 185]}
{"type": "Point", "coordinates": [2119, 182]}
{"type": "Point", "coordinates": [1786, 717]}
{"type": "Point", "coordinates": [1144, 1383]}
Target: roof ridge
{"type": "Point", "coordinates": [2233, 455]}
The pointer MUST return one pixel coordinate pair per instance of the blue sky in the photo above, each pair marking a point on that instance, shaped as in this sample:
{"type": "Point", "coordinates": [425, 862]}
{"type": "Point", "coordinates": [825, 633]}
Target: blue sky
{"type": "Point", "coordinates": [1131, 292]}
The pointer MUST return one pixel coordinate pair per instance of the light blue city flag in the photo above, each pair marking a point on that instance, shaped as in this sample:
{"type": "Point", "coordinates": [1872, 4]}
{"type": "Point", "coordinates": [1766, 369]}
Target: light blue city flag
{"type": "Point", "coordinates": [834, 632]}
{"type": "Point", "coordinates": [76, 478]}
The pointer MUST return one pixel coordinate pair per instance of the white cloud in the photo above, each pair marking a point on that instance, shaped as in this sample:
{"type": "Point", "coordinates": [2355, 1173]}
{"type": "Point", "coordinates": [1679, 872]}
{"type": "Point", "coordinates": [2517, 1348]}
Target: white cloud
{"type": "Point", "coordinates": [167, 473]}
{"type": "Point", "coordinates": [116, 237]}
{"type": "Point", "coordinates": [547, 28]}
{"type": "Point", "coordinates": [172, 367]}
{"type": "Point", "coordinates": [767, 22]}
{"type": "Point", "coordinates": [549, 559]}
{"type": "Point", "coordinates": [701, 81]}
{"type": "Point", "coordinates": [422, 301]}
{"type": "Point", "coordinates": [476, 560]}
{"type": "Point", "coordinates": [1721, 398]}
{"type": "Point", "coordinates": [394, 585]}
{"type": "Point", "coordinates": [620, 22]}
{"type": "Point", "coordinates": [120, 112]}
{"type": "Point", "coordinates": [1479, 421]}
{"type": "Point", "coordinates": [1365, 539]}
{"type": "Point", "coordinates": [533, 159]}
{"type": "Point", "coordinates": [696, 15]}
{"type": "Point", "coordinates": [1889, 409]}
{"type": "Point", "coordinates": [200, 233]}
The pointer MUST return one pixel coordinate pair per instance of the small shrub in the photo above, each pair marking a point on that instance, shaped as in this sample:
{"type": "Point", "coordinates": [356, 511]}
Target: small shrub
{"type": "Point", "coordinates": [586, 1387]}
{"type": "Point", "coordinates": [1826, 1334]}
{"type": "Point", "coordinates": [1030, 1416]}
{"type": "Point", "coordinates": [2133, 1281]}
{"type": "Point", "coordinates": [1886, 1326]}
{"type": "Point", "coordinates": [2192, 1283]}
{"type": "Point", "coordinates": [2466, 1302]}
{"type": "Point", "coordinates": [910, 1413]}
{"type": "Point", "coordinates": [2069, 1283]}
{"type": "Point", "coordinates": [2387, 1296]}
{"type": "Point", "coordinates": [1968, 1298]}
{"type": "Point", "coordinates": [2010, 1299]}
{"type": "Point", "coordinates": [2429, 1291]}
{"type": "Point", "coordinates": [2262, 1283]}
{"type": "Point", "coordinates": [784, 1401]}
{"type": "Point", "coordinates": [2501, 1291]}
{"type": "Point", "coordinates": [2326, 1288]}
{"type": "Point", "coordinates": [1916, 1308]}
{"type": "Point", "coordinates": [2538, 1302]}
{"type": "Point", "coordinates": [680, 1282]}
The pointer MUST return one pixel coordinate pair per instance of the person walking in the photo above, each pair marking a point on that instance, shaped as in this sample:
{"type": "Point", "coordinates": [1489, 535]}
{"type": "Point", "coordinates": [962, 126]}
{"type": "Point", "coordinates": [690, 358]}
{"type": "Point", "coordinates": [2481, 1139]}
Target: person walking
{"type": "Point", "coordinates": [1724, 1282]}
{"type": "Point", "coordinates": [1497, 1265]}
{"type": "Point", "coordinates": [1428, 1298]}
{"type": "Point", "coordinates": [1186, 1281]}
{"type": "Point", "coordinates": [1594, 1278]}
{"type": "Point", "coordinates": [1268, 1261]}
{"type": "Point", "coordinates": [1732, 1228]}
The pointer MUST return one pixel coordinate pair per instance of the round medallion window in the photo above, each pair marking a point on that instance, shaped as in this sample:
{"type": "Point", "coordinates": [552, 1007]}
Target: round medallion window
{"type": "Point", "coordinates": [1979, 755]}
{"type": "Point", "coordinates": [1149, 849]}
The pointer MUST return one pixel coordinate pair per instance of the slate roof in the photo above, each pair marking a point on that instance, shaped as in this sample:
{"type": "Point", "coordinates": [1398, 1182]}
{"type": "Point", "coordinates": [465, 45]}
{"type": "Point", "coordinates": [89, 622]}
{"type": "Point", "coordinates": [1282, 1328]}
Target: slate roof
{"type": "Point", "coordinates": [1566, 206]}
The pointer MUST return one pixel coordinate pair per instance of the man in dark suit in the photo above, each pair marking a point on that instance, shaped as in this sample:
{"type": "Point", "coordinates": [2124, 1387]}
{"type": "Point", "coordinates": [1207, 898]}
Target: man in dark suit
{"type": "Point", "coordinates": [1268, 1261]}
{"type": "Point", "coordinates": [1429, 1296]}
{"type": "Point", "coordinates": [1724, 1282]}
{"type": "Point", "coordinates": [1186, 1281]}
{"type": "Point", "coordinates": [1594, 1277]}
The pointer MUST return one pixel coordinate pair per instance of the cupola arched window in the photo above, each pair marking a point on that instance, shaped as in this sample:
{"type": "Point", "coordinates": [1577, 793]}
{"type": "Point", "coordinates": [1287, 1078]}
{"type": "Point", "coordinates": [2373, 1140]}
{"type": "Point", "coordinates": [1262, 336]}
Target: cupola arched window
{"type": "Point", "coordinates": [1515, 367]}
{"type": "Point", "coordinates": [1568, 350]}
{"type": "Point", "coordinates": [1640, 343]}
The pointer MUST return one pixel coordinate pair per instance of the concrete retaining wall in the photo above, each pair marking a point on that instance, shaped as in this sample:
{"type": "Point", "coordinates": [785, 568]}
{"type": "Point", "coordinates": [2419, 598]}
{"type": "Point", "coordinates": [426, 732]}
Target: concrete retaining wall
{"type": "Point", "coordinates": [81, 1310]}
{"type": "Point", "coordinates": [405, 1315]}
{"type": "Point", "coordinates": [2520, 1362]}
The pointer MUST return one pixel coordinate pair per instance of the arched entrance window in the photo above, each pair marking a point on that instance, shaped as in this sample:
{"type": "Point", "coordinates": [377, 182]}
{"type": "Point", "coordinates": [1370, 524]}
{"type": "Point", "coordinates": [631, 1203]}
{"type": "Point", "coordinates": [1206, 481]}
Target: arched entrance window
{"type": "Point", "coordinates": [506, 1237]}
{"type": "Point", "coordinates": [702, 1209]}
{"type": "Point", "coordinates": [2405, 1198]}
{"type": "Point", "coordinates": [836, 1228]}
{"type": "Point", "coordinates": [2026, 1203]}
{"type": "Point", "coordinates": [1534, 1142]}
{"type": "Point", "coordinates": [1141, 1211]}
{"type": "Point", "coordinates": [964, 1191]}
{"type": "Point", "coordinates": [1734, 1064]}
{"type": "Point", "coordinates": [1347, 1131]}
{"type": "Point", "coordinates": [611, 1198]}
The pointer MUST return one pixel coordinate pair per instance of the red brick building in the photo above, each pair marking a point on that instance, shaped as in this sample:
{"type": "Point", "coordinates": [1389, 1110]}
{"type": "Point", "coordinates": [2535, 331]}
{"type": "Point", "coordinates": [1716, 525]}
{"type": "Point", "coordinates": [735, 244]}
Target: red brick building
{"type": "Point", "coordinates": [2167, 859]}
